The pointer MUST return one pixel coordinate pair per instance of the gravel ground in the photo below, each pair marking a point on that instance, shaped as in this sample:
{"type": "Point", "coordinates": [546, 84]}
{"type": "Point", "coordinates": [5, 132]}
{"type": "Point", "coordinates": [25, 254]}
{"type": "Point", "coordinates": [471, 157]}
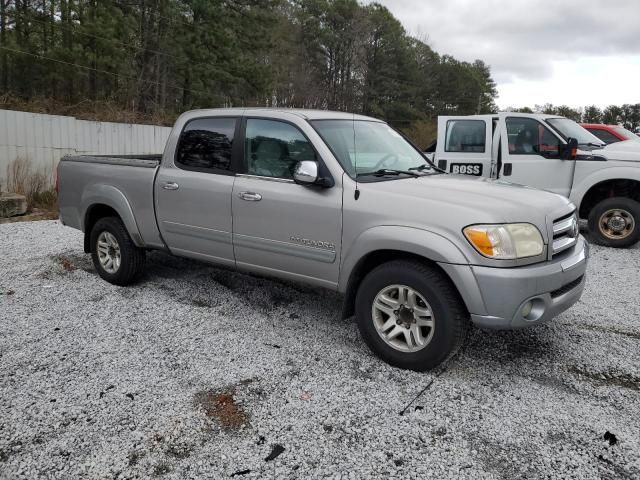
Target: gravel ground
{"type": "Point", "coordinates": [198, 372]}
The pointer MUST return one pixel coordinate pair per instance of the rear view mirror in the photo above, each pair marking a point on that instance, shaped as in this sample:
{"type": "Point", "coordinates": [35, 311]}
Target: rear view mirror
{"type": "Point", "coordinates": [306, 172]}
{"type": "Point", "coordinates": [569, 151]}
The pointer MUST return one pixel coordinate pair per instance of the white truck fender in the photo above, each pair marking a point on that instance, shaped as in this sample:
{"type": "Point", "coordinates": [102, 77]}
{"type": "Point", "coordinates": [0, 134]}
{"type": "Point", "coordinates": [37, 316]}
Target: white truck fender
{"type": "Point", "coordinates": [580, 189]}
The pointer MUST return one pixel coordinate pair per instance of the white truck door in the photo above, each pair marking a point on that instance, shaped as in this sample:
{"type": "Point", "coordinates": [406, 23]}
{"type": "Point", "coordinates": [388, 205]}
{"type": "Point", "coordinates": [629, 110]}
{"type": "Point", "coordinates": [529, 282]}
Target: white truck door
{"type": "Point", "coordinates": [531, 155]}
{"type": "Point", "coordinates": [464, 145]}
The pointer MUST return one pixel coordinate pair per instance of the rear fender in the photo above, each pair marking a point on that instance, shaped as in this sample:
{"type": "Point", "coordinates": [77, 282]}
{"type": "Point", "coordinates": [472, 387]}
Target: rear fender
{"type": "Point", "coordinates": [112, 197]}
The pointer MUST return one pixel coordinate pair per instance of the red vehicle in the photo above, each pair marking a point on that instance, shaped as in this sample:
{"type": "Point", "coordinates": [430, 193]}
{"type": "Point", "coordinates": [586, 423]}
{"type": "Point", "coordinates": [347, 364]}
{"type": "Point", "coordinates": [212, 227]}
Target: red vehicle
{"type": "Point", "coordinates": [610, 133]}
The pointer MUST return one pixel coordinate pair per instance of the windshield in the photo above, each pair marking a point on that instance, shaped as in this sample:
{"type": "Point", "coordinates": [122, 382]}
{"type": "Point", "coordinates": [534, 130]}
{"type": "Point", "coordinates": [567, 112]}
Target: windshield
{"type": "Point", "coordinates": [570, 129]}
{"type": "Point", "coordinates": [626, 134]}
{"type": "Point", "coordinates": [365, 147]}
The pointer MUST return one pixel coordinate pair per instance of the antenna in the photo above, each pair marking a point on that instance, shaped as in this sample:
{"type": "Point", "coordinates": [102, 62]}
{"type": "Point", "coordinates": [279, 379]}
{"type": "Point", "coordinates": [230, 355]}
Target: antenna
{"type": "Point", "coordinates": [356, 194]}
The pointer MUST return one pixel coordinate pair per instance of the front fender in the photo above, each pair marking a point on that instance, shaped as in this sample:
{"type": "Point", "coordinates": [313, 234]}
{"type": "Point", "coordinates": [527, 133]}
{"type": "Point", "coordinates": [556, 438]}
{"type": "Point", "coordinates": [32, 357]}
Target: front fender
{"type": "Point", "coordinates": [581, 187]}
{"type": "Point", "coordinates": [420, 242]}
{"type": "Point", "coordinates": [100, 194]}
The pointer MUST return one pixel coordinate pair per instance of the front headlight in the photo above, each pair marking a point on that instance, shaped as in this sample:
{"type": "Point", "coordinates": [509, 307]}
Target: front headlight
{"type": "Point", "coordinates": [505, 242]}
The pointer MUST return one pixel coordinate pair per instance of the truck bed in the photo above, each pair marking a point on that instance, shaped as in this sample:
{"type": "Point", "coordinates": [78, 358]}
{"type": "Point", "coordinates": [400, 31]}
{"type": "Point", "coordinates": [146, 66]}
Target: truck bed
{"type": "Point", "coordinates": [123, 180]}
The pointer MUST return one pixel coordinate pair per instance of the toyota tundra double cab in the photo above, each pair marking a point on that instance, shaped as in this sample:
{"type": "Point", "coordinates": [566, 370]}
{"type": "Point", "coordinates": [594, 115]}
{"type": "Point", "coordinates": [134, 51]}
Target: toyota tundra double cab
{"type": "Point", "coordinates": [339, 201]}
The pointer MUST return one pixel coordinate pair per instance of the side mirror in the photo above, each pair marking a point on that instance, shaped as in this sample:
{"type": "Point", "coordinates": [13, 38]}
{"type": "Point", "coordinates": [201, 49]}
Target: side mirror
{"type": "Point", "coordinates": [306, 172]}
{"type": "Point", "coordinates": [569, 151]}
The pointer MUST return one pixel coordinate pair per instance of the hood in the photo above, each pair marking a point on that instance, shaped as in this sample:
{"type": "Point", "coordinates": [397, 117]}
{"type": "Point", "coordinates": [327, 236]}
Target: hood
{"type": "Point", "coordinates": [625, 151]}
{"type": "Point", "coordinates": [455, 201]}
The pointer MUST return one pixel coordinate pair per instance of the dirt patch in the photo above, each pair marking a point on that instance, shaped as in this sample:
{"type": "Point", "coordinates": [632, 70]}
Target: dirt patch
{"type": "Point", "coordinates": [180, 450]}
{"type": "Point", "coordinates": [161, 469]}
{"type": "Point", "coordinates": [134, 457]}
{"type": "Point", "coordinates": [222, 406]}
{"type": "Point", "coordinates": [603, 329]}
{"type": "Point", "coordinates": [65, 263]}
{"type": "Point", "coordinates": [36, 215]}
{"type": "Point", "coordinates": [608, 378]}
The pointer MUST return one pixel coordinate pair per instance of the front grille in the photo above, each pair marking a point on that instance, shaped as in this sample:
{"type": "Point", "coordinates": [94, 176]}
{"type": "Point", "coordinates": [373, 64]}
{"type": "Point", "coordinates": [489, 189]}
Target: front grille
{"type": "Point", "coordinates": [567, 288]}
{"type": "Point", "coordinates": [565, 233]}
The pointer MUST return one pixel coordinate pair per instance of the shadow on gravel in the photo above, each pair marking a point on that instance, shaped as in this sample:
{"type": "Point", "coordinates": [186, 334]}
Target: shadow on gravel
{"type": "Point", "coordinates": [511, 346]}
{"type": "Point", "coordinates": [262, 293]}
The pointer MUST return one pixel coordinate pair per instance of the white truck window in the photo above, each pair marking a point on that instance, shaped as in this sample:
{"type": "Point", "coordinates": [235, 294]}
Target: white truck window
{"type": "Point", "coordinates": [529, 137]}
{"type": "Point", "coordinates": [465, 136]}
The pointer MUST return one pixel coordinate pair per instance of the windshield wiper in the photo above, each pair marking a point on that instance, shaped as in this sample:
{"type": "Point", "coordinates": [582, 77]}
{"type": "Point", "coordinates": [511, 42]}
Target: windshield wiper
{"type": "Point", "coordinates": [389, 171]}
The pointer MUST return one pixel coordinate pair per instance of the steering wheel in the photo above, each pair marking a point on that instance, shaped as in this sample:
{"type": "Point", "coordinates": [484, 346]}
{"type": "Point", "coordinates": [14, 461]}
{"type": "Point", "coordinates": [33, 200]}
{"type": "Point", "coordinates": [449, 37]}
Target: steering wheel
{"type": "Point", "coordinates": [384, 161]}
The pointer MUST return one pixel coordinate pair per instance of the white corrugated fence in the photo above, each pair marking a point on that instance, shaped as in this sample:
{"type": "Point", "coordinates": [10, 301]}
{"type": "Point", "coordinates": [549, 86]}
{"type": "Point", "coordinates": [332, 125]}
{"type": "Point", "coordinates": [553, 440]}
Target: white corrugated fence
{"type": "Point", "coordinates": [44, 139]}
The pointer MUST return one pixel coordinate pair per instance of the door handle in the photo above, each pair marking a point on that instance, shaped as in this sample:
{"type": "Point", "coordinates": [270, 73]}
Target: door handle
{"type": "Point", "coordinates": [171, 186]}
{"type": "Point", "coordinates": [250, 196]}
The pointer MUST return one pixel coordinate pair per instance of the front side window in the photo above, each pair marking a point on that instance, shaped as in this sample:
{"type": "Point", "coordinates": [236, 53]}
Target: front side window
{"type": "Point", "coordinates": [529, 137]}
{"type": "Point", "coordinates": [603, 135]}
{"type": "Point", "coordinates": [465, 136]}
{"type": "Point", "coordinates": [273, 148]}
{"type": "Point", "coordinates": [205, 144]}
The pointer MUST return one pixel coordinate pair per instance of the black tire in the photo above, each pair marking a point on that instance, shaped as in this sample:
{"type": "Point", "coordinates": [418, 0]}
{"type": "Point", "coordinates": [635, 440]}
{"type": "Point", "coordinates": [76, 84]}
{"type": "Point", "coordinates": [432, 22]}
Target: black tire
{"type": "Point", "coordinates": [600, 234]}
{"type": "Point", "coordinates": [131, 257]}
{"type": "Point", "coordinates": [451, 319]}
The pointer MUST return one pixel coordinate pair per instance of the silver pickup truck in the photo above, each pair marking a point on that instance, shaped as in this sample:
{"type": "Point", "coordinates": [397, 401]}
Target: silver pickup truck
{"type": "Point", "coordinates": [339, 201]}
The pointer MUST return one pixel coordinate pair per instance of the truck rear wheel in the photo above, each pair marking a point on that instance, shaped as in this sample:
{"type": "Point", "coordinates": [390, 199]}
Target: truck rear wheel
{"type": "Point", "coordinates": [410, 315]}
{"type": "Point", "coordinates": [114, 255]}
{"type": "Point", "coordinates": [615, 222]}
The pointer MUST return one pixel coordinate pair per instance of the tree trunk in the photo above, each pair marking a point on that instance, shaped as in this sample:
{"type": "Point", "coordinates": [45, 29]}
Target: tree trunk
{"type": "Point", "coordinates": [67, 43]}
{"type": "Point", "coordinates": [3, 42]}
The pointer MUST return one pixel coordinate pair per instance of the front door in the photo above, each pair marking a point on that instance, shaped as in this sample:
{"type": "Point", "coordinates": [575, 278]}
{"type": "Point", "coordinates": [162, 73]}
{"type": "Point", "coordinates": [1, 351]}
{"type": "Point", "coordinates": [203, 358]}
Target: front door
{"type": "Point", "coordinates": [280, 227]}
{"type": "Point", "coordinates": [464, 145]}
{"type": "Point", "coordinates": [531, 156]}
{"type": "Point", "coordinates": [193, 191]}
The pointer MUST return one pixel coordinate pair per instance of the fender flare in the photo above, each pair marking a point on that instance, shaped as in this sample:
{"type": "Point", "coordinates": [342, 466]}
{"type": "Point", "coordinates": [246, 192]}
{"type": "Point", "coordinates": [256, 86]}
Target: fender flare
{"type": "Point", "coordinates": [424, 243]}
{"type": "Point", "coordinates": [101, 194]}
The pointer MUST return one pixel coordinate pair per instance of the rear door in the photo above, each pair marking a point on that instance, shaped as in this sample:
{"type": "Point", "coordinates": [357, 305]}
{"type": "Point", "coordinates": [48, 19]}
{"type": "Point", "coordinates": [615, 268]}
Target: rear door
{"type": "Point", "coordinates": [531, 156]}
{"type": "Point", "coordinates": [464, 145]}
{"type": "Point", "coordinates": [280, 227]}
{"type": "Point", "coordinates": [193, 190]}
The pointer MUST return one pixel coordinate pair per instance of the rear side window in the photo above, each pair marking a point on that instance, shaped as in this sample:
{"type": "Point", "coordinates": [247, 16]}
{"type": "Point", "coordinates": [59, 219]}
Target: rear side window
{"type": "Point", "coordinates": [206, 144]}
{"type": "Point", "coordinates": [274, 148]}
{"type": "Point", "coordinates": [603, 135]}
{"type": "Point", "coordinates": [465, 136]}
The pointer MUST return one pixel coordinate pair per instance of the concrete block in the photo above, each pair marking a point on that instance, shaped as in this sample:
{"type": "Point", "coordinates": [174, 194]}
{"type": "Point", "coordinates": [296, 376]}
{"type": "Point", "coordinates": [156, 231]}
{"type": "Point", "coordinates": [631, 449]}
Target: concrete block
{"type": "Point", "coordinates": [12, 204]}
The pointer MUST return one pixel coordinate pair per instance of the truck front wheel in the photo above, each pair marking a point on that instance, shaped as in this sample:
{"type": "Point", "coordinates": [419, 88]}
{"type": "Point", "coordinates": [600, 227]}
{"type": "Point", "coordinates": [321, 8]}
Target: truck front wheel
{"type": "Point", "coordinates": [410, 315]}
{"type": "Point", "coordinates": [615, 222]}
{"type": "Point", "coordinates": [114, 255]}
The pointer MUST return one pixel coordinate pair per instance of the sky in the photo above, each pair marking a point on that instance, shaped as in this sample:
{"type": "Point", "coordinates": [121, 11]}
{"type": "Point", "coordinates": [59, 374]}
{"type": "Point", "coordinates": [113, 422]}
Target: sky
{"type": "Point", "coordinates": [565, 52]}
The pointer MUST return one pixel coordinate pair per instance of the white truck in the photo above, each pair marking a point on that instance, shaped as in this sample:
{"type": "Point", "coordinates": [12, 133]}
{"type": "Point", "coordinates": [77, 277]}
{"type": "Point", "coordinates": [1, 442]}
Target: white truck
{"type": "Point", "coordinates": [552, 153]}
